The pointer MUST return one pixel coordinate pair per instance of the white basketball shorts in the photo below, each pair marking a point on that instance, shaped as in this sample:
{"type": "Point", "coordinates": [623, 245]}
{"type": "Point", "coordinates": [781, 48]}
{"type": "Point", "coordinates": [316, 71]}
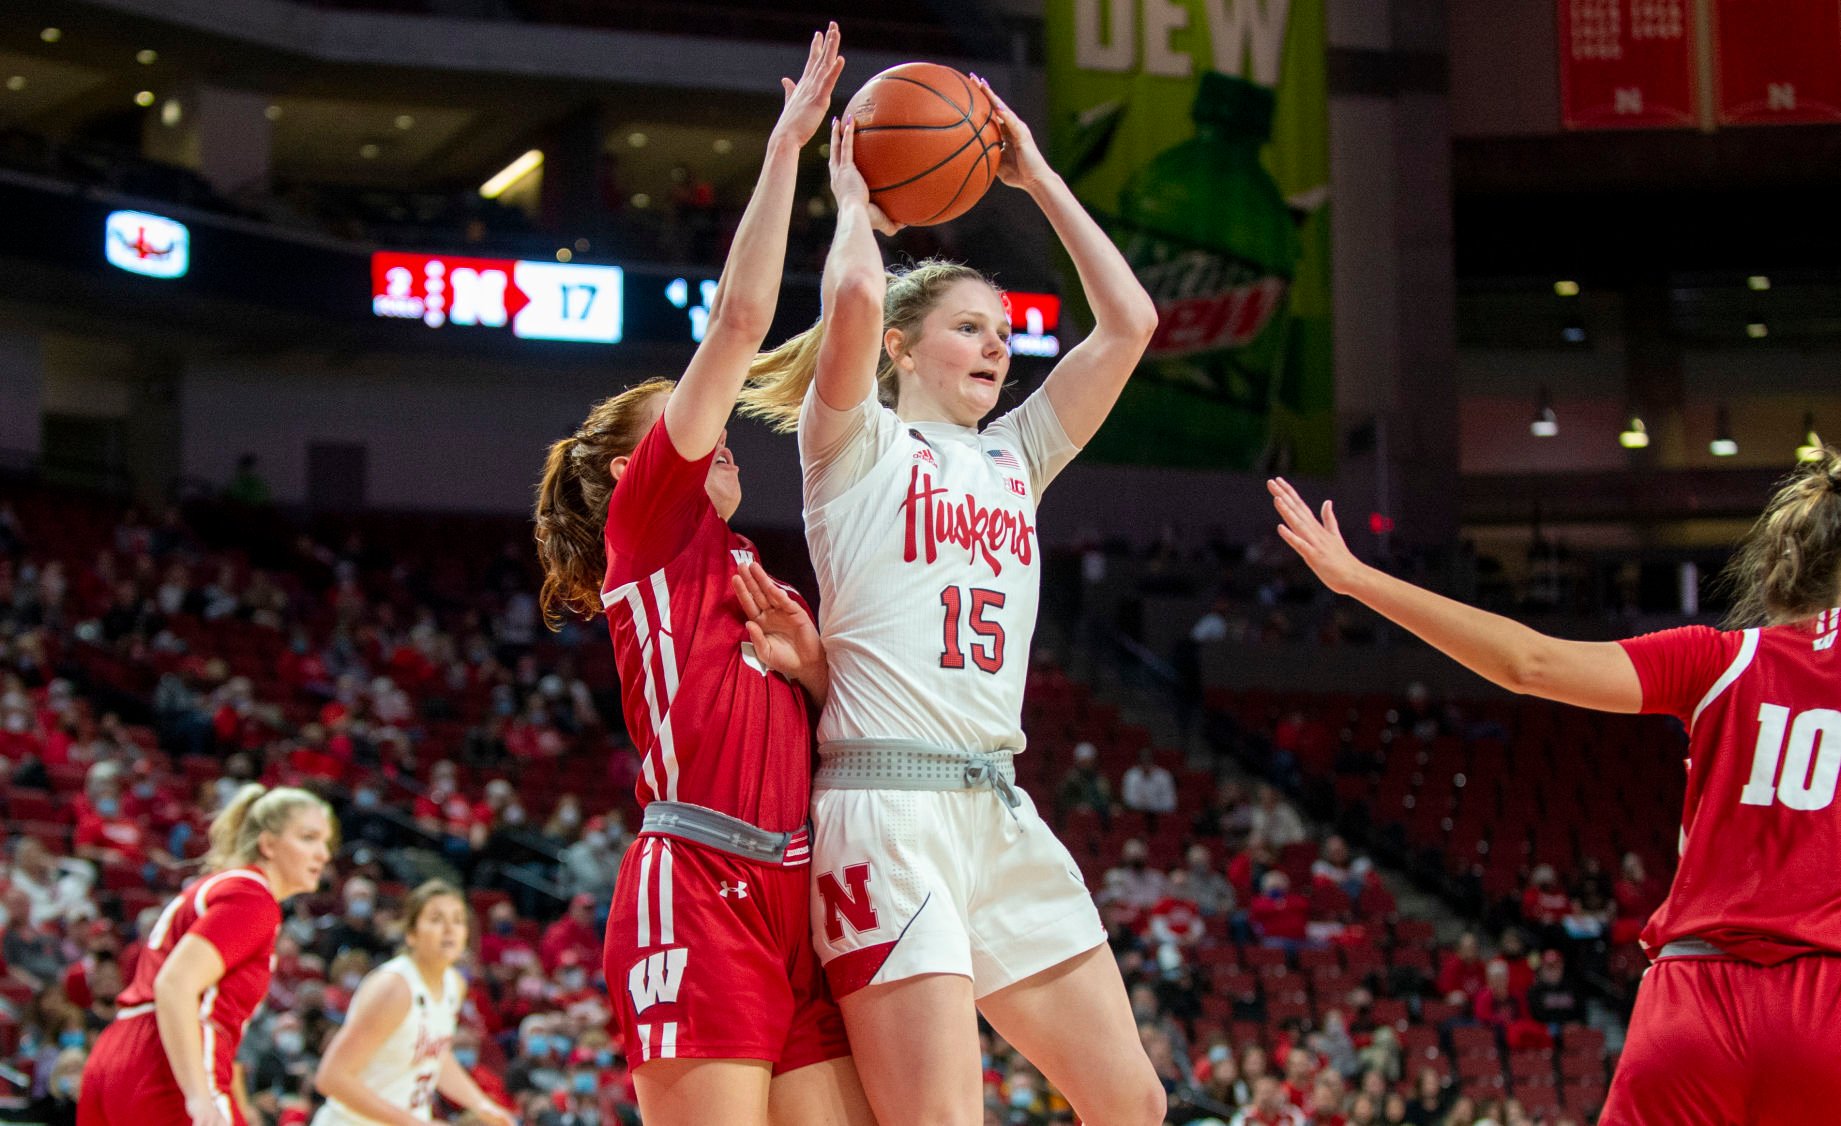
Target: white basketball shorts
{"type": "Point", "coordinates": [911, 882]}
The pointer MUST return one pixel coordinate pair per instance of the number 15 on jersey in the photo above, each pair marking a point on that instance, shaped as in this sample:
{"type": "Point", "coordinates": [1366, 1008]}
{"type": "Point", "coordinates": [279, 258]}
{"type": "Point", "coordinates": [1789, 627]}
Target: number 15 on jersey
{"type": "Point", "coordinates": [978, 606]}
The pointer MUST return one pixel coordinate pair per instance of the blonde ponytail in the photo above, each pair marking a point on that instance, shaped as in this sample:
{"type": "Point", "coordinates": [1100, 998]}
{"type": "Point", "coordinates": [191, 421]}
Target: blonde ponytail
{"type": "Point", "coordinates": [252, 811]}
{"type": "Point", "coordinates": [779, 379]}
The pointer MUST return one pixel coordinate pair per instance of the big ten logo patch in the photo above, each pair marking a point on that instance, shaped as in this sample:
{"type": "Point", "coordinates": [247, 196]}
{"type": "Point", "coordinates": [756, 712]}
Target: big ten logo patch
{"type": "Point", "coordinates": [656, 978]}
{"type": "Point", "coordinates": [846, 898]}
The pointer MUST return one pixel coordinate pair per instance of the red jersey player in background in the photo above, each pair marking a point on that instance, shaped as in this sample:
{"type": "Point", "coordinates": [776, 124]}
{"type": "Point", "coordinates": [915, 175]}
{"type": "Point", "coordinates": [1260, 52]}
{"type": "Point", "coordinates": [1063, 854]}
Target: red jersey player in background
{"type": "Point", "coordinates": [1736, 1021]}
{"type": "Point", "coordinates": [166, 1059]}
{"type": "Point", "coordinates": [708, 952]}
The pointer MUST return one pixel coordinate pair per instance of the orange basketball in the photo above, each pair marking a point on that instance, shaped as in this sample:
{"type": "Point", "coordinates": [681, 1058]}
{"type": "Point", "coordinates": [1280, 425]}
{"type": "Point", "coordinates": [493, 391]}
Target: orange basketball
{"type": "Point", "coordinates": [927, 142]}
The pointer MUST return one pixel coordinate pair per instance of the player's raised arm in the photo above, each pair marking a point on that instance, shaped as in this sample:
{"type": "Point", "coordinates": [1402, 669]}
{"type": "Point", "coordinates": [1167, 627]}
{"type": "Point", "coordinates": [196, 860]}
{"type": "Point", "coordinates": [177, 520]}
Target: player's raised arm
{"type": "Point", "coordinates": [854, 285]}
{"type": "Point", "coordinates": [1087, 381]}
{"type": "Point", "coordinates": [1590, 674]}
{"type": "Point", "coordinates": [742, 311]}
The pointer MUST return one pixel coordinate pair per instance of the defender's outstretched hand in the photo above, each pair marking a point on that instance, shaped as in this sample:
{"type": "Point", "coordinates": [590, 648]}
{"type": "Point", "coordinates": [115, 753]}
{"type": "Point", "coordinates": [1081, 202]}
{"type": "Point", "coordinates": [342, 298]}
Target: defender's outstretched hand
{"type": "Point", "coordinates": [1317, 540]}
{"type": "Point", "coordinates": [783, 634]}
{"type": "Point", "coordinates": [808, 99]}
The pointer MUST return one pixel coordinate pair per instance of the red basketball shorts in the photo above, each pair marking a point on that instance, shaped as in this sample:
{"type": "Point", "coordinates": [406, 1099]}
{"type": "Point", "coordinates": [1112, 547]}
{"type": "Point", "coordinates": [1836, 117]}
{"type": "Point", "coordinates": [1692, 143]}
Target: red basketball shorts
{"type": "Point", "coordinates": [127, 1081]}
{"type": "Point", "coordinates": [1720, 1042]}
{"type": "Point", "coordinates": [709, 956]}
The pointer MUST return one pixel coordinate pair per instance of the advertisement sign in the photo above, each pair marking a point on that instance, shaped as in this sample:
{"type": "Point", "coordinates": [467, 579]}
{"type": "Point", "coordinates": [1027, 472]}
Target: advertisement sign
{"type": "Point", "coordinates": [147, 244]}
{"type": "Point", "coordinates": [1628, 64]}
{"type": "Point", "coordinates": [1198, 132]}
{"type": "Point", "coordinates": [1779, 61]}
{"type": "Point", "coordinates": [537, 300]}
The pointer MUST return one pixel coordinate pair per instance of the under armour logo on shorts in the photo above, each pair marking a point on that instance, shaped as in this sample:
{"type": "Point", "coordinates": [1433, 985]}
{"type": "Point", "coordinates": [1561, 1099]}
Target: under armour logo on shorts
{"type": "Point", "coordinates": [739, 891]}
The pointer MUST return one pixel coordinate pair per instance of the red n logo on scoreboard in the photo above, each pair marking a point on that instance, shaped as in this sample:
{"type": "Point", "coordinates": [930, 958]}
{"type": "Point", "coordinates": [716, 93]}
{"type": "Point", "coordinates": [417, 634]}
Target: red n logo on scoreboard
{"type": "Point", "coordinates": [852, 906]}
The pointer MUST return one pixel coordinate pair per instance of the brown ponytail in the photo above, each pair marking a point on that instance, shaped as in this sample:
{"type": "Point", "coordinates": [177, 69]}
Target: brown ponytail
{"type": "Point", "coordinates": [571, 514]}
{"type": "Point", "coordinates": [1788, 567]}
{"type": "Point", "coordinates": [778, 380]}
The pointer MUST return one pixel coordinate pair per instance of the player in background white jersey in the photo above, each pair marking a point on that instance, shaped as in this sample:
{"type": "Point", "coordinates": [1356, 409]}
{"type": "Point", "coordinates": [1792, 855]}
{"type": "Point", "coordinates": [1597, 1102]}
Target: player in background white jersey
{"type": "Point", "coordinates": [393, 1055]}
{"type": "Point", "coordinates": [939, 891]}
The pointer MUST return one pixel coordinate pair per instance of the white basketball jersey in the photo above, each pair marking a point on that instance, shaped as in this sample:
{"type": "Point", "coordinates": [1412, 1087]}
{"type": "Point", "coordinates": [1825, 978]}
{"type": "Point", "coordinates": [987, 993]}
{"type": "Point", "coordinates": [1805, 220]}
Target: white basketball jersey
{"type": "Point", "coordinates": [406, 1066]}
{"type": "Point", "coordinates": [923, 536]}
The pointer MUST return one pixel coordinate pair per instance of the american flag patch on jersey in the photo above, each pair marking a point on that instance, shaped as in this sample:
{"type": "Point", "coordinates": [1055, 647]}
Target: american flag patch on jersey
{"type": "Point", "coordinates": [1005, 458]}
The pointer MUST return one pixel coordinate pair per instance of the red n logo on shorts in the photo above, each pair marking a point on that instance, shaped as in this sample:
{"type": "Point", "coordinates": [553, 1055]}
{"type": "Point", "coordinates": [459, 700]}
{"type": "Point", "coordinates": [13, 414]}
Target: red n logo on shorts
{"type": "Point", "coordinates": [852, 906]}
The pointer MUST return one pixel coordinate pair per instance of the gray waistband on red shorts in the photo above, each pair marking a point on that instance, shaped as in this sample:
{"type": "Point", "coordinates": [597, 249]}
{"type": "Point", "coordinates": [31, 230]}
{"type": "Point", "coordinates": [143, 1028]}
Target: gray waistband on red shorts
{"type": "Point", "coordinates": [905, 764]}
{"type": "Point", "coordinates": [728, 834]}
{"type": "Point", "coordinates": [1690, 948]}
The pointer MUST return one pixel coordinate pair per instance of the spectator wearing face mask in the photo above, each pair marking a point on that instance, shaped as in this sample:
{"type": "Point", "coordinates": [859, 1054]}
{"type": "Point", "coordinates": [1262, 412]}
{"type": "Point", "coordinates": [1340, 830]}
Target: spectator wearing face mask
{"type": "Point", "coordinates": [282, 1064]}
{"type": "Point", "coordinates": [31, 952]}
{"type": "Point", "coordinates": [57, 887]}
{"type": "Point", "coordinates": [1275, 821]}
{"type": "Point", "coordinates": [58, 1105]}
{"type": "Point", "coordinates": [539, 1066]}
{"type": "Point", "coordinates": [1278, 917]}
{"type": "Point", "coordinates": [1148, 787]}
{"type": "Point", "coordinates": [1083, 786]}
{"type": "Point", "coordinates": [574, 931]}
{"type": "Point", "coordinates": [1134, 882]}
{"type": "Point", "coordinates": [574, 982]}
{"type": "Point", "coordinates": [591, 865]}
{"type": "Point", "coordinates": [1212, 893]}
{"type": "Point", "coordinates": [467, 1046]}
{"type": "Point", "coordinates": [355, 928]}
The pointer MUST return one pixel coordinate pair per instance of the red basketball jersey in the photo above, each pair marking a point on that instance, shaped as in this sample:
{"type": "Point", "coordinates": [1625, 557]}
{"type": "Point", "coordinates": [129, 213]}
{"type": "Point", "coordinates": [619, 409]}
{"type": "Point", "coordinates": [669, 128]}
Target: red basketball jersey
{"type": "Point", "coordinates": [1760, 832]}
{"type": "Point", "coordinates": [236, 913]}
{"type": "Point", "coordinates": [714, 727]}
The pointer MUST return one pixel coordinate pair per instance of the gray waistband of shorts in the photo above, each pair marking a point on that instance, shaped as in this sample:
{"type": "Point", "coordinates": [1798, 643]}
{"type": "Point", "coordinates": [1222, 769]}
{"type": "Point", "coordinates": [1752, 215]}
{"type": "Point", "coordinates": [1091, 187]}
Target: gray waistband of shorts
{"type": "Point", "coordinates": [1690, 948]}
{"type": "Point", "coordinates": [728, 834]}
{"type": "Point", "coordinates": [902, 764]}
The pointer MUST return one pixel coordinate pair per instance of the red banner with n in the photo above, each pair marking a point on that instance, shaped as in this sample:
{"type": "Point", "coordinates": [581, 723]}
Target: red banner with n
{"type": "Point", "coordinates": [1628, 64]}
{"type": "Point", "coordinates": [1779, 61]}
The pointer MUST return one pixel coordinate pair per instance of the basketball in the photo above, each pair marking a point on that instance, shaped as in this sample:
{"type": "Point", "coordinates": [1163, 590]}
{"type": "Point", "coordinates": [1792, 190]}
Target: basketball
{"type": "Point", "coordinates": [927, 142]}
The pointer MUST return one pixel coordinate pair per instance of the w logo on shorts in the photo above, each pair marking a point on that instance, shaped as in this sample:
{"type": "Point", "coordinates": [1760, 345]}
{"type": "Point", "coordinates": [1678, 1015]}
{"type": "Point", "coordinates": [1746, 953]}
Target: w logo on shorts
{"type": "Point", "coordinates": [851, 906]}
{"type": "Point", "coordinates": [656, 978]}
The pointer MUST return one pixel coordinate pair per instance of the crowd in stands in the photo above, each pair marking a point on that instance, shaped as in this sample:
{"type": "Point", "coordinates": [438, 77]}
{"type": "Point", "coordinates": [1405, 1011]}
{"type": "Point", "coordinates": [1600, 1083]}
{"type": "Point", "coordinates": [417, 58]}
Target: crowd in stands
{"type": "Point", "coordinates": [147, 665]}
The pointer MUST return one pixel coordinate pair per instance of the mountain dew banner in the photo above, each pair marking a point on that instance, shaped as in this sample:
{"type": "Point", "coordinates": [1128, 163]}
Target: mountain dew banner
{"type": "Point", "coordinates": [1198, 131]}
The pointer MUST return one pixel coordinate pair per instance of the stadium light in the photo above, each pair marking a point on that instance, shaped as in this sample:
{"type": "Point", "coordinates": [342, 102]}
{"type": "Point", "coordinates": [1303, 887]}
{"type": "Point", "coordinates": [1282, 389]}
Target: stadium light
{"type": "Point", "coordinates": [1811, 447]}
{"type": "Point", "coordinates": [1722, 444]}
{"type": "Point", "coordinates": [1544, 425]}
{"type": "Point", "coordinates": [511, 174]}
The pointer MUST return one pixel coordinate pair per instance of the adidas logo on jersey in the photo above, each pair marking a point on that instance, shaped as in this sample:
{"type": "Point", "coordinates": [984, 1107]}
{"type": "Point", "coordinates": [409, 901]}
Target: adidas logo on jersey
{"type": "Point", "coordinates": [739, 891]}
{"type": "Point", "coordinates": [1826, 625]}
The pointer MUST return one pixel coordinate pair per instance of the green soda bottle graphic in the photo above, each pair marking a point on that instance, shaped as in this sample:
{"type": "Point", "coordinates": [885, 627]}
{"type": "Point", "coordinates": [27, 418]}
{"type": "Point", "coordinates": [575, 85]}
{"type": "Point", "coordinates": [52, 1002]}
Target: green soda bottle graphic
{"type": "Point", "coordinates": [1212, 239]}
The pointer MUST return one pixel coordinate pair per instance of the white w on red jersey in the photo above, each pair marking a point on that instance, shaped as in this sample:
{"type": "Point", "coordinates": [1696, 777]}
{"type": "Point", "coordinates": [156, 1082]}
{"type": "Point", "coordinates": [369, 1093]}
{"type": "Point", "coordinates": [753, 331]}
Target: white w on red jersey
{"type": "Point", "coordinates": [929, 570]}
{"type": "Point", "coordinates": [1760, 829]}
